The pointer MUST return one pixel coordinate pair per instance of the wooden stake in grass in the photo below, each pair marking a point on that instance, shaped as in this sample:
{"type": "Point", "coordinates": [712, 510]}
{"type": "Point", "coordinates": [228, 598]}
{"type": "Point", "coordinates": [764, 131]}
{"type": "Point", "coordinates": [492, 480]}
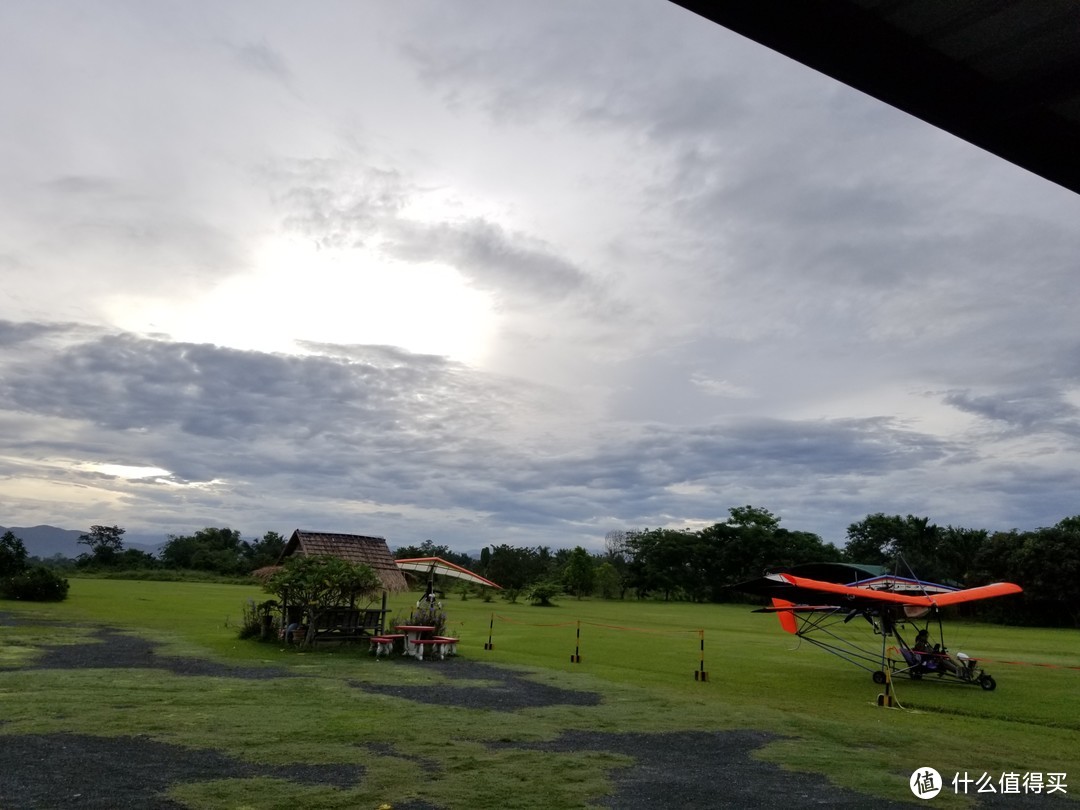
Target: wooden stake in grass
{"type": "Point", "coordinates": [576, 657]}
{"type": "Point", "coordinates": [700, 674]}
{"type": "Point", "coordinates": [886, 698]}
{"type": "Point", "coordinates": [491, 629]}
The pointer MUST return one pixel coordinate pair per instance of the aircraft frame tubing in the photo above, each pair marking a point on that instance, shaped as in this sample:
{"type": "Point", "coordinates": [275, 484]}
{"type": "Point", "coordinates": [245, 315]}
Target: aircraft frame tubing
{"type": "Point", "coordinates": [840, 647]}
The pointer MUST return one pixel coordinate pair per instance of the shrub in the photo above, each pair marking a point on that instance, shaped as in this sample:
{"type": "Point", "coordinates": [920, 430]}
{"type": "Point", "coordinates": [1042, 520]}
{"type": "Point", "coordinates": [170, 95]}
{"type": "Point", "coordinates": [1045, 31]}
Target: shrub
{"type": "Point", "coordinates": [542, 593]}
{"type": "Point", "coordinates": [38, 584]}
{"type": "Point", "coordinates": [257, 620]}
{"type": "Point", "coordinates": [429, 614]}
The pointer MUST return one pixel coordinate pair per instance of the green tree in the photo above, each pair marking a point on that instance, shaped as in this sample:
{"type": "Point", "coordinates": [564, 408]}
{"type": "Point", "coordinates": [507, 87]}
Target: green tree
{"type": "Point", "coordinates": [579, 573]}
{"type": "Point", "coordinates": [514, 568]}
{"type": "Point", "coordinates": [105, 543]}
{"type": "Point", "coordinates": [132, 559]}
{"type": "Point", "coordinates": [541, 594]}
{"type": "Point", "coordinates": [217, 550]}
{"type": "Point", "coordinates": [700, 565]}
{"type": "Point", "coordinates": [263, 552]}
{"type": "Point", "coordinates": [608, 581]}
{"type": "Point", "coordinates": [887, 539]}
{"type": "Point", "coordinates": [957, 549]}
{"type": "Point", "coordinates": [12, 555]}
{"type": "Point", "coordinates": [744, 517]}
{"type": "Point", "coordinates": [1045, 563]}
{"type": "Point", "coordinates": [318, 582]}
{"type": "Point", "coordinates": [615, 546]}
{"type": "Point", "coordinates": [661, 560]}
{"type": "Point", "coordinates": [617, 555]}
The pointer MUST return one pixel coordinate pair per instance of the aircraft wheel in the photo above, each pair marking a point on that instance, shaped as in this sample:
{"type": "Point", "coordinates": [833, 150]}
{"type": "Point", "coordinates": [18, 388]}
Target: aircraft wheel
{"type": "Point", "coordinates": [987, 683]}
{"type": "Point", "coordinates": [879, 677]}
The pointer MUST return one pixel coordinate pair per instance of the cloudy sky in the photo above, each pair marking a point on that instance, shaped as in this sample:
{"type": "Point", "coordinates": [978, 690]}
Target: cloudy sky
{"type": "Point", "coordinates": [507, 272]}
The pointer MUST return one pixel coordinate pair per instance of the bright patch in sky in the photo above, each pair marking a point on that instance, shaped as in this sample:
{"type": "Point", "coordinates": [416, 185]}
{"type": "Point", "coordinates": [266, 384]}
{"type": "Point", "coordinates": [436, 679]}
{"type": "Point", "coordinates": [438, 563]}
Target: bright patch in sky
{"type": "Point", "coordinates": [298, 292]}
{"type": "Point", "coordinates": [126, 471]}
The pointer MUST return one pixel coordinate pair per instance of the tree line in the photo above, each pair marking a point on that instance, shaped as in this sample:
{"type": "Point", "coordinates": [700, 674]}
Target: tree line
{"type": "Point", "coordinates": [679, 564]}
{"type": "Point", "coordinates": [212, 550]}
{"type": "Point", "coordinates": [701, 565]}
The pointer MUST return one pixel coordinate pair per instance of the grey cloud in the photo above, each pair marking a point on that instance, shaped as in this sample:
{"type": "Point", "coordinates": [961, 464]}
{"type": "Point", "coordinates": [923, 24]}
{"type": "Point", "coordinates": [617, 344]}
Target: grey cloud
{"type": "Point", "coordinates": [123, 382]}
{"type": "Point", "coordinates": [340, 206]}
{"type": "Point", "coordinates": [619, 63]}
{"type": "Point", "coordinates": [489, 256]}
{"type": "Point", "coordinates": [12, 334]}
{"type": "Point", "coordinates": [1034, 409]}
{"type": "Point", "coordinates": [378, 424]}
{"type": "Point", "coordinates": [661, 456]}
{"type": "Point", "coordinates": [258, 414]}
{"type": "Point", "coordinates": [334, 203]}
{"type": "Point", "coordinates": [262, 58]}
{"type": "Point", "coordinates": [82, 184]}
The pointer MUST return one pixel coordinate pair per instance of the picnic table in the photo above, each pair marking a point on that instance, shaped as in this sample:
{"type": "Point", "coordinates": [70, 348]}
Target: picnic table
{"type": "Point", "coordinates": [415, 633]}
{"type": "Point", "coordinates": [416, 643]}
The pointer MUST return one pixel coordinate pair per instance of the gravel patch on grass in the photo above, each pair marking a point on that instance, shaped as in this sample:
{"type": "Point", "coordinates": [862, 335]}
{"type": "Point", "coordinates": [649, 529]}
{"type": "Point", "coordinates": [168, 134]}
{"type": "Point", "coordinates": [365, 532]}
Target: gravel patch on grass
{"type": "Point", "coordinates": [511, 689]}
{"type": "Point", "coordinates": [108, 648]}
{"type": "Point", "coordinates": [703, 769]}
{"type": "Point", "coordinates": [111, 649]}
{"type": "Point", "coordinates": [114, 773]}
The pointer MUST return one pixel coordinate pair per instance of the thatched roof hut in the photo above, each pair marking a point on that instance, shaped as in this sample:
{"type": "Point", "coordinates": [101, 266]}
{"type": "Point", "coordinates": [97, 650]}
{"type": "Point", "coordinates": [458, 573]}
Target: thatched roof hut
{"type": "Point", "coordinates": [353, 548]}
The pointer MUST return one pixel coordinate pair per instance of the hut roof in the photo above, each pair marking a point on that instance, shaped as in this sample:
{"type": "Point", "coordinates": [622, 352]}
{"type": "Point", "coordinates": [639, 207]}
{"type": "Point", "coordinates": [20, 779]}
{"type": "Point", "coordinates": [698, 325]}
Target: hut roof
{"type": "Point", "coordinates": [353, 548]}
{"type": "Point", "coordinates": [263, 574]}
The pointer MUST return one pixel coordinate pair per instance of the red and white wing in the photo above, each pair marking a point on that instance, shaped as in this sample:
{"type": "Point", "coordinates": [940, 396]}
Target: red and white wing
{"type": "Point", "coordinates": [935, 600]}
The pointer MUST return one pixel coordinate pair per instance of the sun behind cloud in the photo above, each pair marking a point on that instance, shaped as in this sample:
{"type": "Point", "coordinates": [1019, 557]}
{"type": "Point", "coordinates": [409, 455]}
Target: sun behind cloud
{"type": "Point", "coordinates": [297, 292]}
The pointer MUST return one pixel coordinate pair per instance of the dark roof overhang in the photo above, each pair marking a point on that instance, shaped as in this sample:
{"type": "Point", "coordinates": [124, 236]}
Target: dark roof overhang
{"type": "Point", "coordinates": [1001, 74]}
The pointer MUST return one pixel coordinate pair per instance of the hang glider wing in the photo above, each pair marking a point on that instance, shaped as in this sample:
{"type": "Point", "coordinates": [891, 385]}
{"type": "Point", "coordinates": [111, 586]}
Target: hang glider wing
{"type": "Point", "coordinates": [820, 585]}
{"type": "Point", "coordinates": [803, 591]}
{"type": "Point", "coordinates": [443, 568]}
{"type": "Point", "coordinates": [851, 593]}
{"type": "Point", "coordinates": [974, 594]}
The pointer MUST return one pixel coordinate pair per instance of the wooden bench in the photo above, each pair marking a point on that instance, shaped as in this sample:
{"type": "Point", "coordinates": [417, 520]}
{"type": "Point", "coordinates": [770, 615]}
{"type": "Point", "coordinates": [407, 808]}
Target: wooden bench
{"type": "Point", "coordinates": [348, 624]}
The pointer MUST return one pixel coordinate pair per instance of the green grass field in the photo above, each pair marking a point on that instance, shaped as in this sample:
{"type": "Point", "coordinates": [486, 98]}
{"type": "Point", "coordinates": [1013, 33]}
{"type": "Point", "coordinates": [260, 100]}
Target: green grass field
{"type": "Point", "coordinates": [641, 656]}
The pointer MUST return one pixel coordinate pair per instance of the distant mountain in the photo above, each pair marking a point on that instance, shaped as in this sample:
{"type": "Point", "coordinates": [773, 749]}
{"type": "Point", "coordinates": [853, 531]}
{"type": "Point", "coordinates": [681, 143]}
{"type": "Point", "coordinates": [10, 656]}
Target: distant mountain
{"type": "Point", "coordinates": [48, 541]}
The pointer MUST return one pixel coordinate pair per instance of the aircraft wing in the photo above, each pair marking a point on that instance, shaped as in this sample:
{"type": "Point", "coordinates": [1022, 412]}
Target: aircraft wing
{"type": "Point", "coordinates": [848, 594]}
{"type": "Point", "coordinates": [788, 589]}
{"type": "Point", "coordinates": [974, 594]}
{"type": "Point", "coordinates": [437, 565]}
{"type": "Point", "coordinates": [804, 591]}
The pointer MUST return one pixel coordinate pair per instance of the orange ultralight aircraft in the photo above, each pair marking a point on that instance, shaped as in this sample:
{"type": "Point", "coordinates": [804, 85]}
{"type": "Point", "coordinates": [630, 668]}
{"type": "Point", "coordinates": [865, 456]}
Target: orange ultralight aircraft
{"type": "Point", "coordinates": [813, 601]}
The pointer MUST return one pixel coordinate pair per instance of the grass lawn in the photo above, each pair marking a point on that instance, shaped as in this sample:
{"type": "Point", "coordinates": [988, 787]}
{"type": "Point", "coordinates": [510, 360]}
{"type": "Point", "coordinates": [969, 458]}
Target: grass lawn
{"type": "Point", "coordinates": [639, 656]}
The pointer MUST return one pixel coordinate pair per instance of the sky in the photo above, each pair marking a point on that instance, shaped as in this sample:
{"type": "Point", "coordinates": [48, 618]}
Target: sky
{"type": "Point", "coordinates": [500, 271]}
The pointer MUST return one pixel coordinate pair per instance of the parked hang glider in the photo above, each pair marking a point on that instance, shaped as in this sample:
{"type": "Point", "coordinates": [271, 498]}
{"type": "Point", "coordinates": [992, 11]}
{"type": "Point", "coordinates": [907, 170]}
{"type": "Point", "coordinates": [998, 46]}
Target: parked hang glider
{"type": "Point", "coordinates": [433, 566]}
{"type": "Point", "coordinates": [815, 601]}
